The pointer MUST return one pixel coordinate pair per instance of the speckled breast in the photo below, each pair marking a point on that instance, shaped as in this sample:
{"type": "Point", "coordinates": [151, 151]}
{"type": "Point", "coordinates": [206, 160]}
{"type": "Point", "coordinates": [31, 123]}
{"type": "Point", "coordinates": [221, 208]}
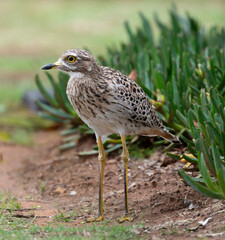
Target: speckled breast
{"type": "Point", "coordinates": [92, 106]}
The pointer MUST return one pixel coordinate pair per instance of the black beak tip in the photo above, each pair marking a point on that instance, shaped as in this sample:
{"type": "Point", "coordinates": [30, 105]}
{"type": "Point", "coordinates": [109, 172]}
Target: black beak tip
{"type": "Point", "coordinates": [48, 66]}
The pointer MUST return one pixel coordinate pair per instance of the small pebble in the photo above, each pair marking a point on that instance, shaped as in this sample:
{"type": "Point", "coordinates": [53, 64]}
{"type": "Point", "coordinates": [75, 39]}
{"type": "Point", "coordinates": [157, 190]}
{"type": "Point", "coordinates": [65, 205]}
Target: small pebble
{"type": "Point", "coordinates": [72, 193]}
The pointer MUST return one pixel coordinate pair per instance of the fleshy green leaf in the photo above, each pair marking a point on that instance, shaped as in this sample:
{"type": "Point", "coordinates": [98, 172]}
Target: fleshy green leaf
{"type": "Point", "coordinates": [190, 159]}
{"type": "Point", "coordinates": [44, 92]}
{"type": "Point", "coordinates": [200, 188]}
{"type": "Point", "coordinates": [67, 146]}
{"type": "Point", "coordinates": [221, 179]}
{"type": "Point", "coordinates": [174, 156]}
{"type": "Point", "coordinates": [55, 112]}
{"type": "Point", "coordinates": [205, 175]}
{"type": "Point", "coordinates": [50, 117]}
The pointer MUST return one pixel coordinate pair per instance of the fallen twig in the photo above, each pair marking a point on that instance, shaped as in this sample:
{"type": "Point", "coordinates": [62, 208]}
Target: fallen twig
{"type": "Point", "coordinates": [28, 216]}
{"type": "Point", "coordinates": [22, 209]}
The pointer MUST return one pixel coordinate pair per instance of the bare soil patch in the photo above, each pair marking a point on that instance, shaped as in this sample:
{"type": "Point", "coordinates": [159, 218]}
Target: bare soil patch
{"type": "Point", "coordinates": [49, 182]}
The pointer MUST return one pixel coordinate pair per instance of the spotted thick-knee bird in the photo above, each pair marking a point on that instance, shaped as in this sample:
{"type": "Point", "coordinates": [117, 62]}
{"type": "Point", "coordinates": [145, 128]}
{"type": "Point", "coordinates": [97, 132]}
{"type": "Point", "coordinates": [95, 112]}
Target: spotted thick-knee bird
{"type": "Point", "coordinates": [108, 102]}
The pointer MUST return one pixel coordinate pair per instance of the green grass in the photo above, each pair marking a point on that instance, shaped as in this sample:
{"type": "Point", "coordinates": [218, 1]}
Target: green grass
{"type": "Point", "coordinates": [42, 26]}
{"type": "Point", "coordinates": [93, 231]}
{"type": "Point", "coordinates": [8, 205]}
{"type": "Point", "coordinates": [19, 228]}
{"type": "Point", "coordinates": [8, 202]}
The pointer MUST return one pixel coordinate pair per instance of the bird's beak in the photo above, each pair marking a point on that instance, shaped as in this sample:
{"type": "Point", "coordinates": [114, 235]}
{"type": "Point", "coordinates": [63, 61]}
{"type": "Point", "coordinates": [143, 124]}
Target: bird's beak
{"type": "Point", "coordinates": [51, 66]}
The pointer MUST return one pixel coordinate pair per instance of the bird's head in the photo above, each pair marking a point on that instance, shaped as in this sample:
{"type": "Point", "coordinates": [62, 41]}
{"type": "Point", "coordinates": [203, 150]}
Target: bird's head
{"type": "Point", "coordinates": [75, 61]}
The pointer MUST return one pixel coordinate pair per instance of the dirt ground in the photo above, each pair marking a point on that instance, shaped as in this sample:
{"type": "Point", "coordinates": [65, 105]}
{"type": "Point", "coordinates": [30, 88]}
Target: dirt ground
{"type": "Point", "coordinates": [48, 182]}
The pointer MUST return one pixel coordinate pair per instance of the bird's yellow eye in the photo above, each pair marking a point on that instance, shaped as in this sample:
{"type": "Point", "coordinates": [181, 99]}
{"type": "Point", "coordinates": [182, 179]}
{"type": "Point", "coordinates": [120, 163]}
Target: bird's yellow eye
{"type": "Point", "coordinates": [71, 59]}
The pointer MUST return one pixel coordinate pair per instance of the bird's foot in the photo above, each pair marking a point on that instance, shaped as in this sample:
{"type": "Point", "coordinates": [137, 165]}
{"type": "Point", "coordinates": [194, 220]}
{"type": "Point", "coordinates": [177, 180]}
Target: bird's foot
{"type": "Point", "coordinates": [125, 218]}
{"type": "Point", "coordinates": [95, 219]}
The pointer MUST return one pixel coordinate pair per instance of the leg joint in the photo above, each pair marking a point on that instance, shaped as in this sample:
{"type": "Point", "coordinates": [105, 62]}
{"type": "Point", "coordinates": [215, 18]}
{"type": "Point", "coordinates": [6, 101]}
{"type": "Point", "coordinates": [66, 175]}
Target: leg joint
{"type": "Point", "coordinates": [125, 155]}
{"type": "Point", "coordinates": [101, 157]}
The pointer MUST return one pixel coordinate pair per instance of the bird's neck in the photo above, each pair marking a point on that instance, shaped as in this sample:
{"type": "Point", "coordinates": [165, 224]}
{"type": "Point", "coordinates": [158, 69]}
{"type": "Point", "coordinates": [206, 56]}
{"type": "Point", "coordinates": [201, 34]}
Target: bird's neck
{"type": "Point", "coordinates": [76, 75]}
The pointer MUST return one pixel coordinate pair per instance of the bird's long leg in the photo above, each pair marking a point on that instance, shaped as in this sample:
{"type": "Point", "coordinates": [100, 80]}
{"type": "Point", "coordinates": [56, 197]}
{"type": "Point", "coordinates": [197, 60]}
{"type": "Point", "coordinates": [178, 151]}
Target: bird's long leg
{"type": "Point", "coordinates": [101, 158]}
{"type": "Point", "coordinates": [125, 158]}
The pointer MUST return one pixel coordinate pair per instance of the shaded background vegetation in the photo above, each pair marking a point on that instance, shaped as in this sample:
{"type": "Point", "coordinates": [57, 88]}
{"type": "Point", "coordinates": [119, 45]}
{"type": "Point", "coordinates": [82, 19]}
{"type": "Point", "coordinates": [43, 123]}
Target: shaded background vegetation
{"type": "Point", "coordinates": [37, 32]}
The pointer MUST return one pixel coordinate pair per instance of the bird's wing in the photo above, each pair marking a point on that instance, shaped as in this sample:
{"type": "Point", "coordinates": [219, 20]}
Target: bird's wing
{"type": "Point", "coordinates": [131, 99]}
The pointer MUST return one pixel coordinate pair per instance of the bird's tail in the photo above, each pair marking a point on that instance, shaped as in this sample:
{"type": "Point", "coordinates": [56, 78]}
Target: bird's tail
{"type": "Point", "coordinates": [164, 133]}
{"type": "Point", "coordinates": [169, 136]}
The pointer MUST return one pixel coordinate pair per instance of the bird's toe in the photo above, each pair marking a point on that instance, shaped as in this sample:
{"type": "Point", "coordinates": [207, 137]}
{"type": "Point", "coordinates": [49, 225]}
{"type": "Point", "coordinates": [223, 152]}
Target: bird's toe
{"type": "Point", "coordinates": [95, 219]}
{"type": "Point", "coordinates": [125, 218]}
